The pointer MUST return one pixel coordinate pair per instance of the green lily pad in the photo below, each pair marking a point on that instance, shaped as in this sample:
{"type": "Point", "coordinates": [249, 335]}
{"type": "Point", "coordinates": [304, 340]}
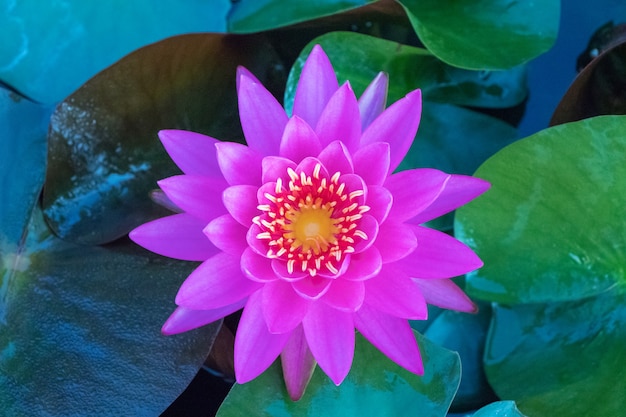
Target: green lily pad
{"type": "Point", "coordinates": [499, 409]}
{"type": "Point", "coordinates": [359, 58]}
{"type": "Point", "coordinates": [80, 330]}
{"type": "Point", "coordinates": [47, 50]}
{"type": "Point", "coordinates": [561, 359]}
{"type": "Point", "coordinates": [486, 34]}
{"type": "Point", "coordinates": [104, 153]}
{"type": "Point", "coordinates": [375, 386]}
{"type": "Point", "coordinates": [551, 227]}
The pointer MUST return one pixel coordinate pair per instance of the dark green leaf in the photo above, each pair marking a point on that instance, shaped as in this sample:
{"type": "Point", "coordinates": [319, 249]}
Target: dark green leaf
{"type": "Point", "coordinates": [79, 330]}
{"type": "Point", "coordinates": [374, 387]}
{"type": "Point", "coordinates": [561, 359]}
{"type": "Point", "coordinates": [104, 154]}
{"type": "Point", "coordinates": [485, 34]}
{"type": "Point", "coordinates": [551, 228]}
{"type": "Point", "coordinates": [49, 49]}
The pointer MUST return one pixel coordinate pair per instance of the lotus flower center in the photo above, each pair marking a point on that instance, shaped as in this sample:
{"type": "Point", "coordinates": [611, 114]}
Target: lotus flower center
{"type": "Point", "coordinates": [312, 222]}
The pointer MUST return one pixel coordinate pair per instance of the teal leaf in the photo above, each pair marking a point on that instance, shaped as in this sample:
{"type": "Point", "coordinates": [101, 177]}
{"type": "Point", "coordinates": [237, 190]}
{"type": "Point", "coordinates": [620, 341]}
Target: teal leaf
{"type": "Point", "coordinates": [561, 359]}
{"type": "Point", "coordinates": [499, 409]}
{"type": "Point", "coordinates": [375, 386]}
{"type": "Point", "coordinates": [485, 34]}
{"type": "Point", "coordinates": [47, 50]}
{"type": "Point", "coordinates": [80, 330]}
{"type": "Point", "coordinates": [104, 154]}
{"type": "Point", "coordinates": [551, 227]}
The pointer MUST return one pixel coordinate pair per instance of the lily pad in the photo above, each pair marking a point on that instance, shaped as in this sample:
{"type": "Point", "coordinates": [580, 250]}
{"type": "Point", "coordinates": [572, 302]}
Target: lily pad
{"type": "Point", "coordinates": [374, 387]}
{"type": "Point", "coordinates": [499, 409]}
{"type": "Point", "coordinates": [561, 359]}
{"type": "Point", "coordinates": [551, 227]}
{"type": "Point", "coordinates": [104, 154]}
{"type": "Point", "coordinates": [485, 34]}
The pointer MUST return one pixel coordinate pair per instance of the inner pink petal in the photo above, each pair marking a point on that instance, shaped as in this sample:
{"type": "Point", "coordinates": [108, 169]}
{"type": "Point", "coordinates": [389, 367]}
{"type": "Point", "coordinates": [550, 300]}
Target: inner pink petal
{"type": "Point", "coordinates": [345, 295]}
{"type": "Point", "coordinates": [312, 287]}
{"type": "Point", "coordinates": [241, 202]}
{"type": "Point", "coordinates": [371, 162]}
{"type": "Point", "coordinates": [364, 265]}
{"type": "Point", "coordinates": [336, 158]}
{"type": "Point", "coordinates": [256, 267]}
{"type": "Point", "coordinates": [282, 307]}
{"type": "Point", "coordinates": [239, 163]}
{"type": "Point", "coordinates": [275, 167]}
{"type": "Point", "coordinates": [227, 234]}
{"type": "Point", "coordinates": [299, 140]}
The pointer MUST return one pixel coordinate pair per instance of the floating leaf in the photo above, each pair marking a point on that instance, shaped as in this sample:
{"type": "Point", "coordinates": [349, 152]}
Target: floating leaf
{"type": "Point", "coordinates": [551, 228]}
{"type": "Point", "coordinates": [374, 387]}
{"type": "Point", "coordinates": [104, 154]}
{"type": "Point", "coordinates": [486, 34]}
{"type": "Point", "coordinates": [561, 359]}
{"type": "Point", "coordinates": [499, 409]}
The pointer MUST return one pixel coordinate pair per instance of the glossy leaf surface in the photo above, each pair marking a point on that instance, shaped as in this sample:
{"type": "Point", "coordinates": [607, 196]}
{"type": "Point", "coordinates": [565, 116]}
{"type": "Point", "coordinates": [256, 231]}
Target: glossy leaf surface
{"type": "Point", "coordinates": [499, 409]}
{"type": "Point", "coordinates": [375, 386]}
{"type": "Point", "coordinates": [104, 153]}
{"type": "Point", "coordinates": [551, 227]}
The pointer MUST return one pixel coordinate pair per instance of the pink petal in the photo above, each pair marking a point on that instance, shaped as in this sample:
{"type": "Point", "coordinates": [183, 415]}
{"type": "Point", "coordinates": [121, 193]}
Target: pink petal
{"type": "Point", "coordinates": [199, 196]}
{"type": "Point", "coordinates": [239, 163]}
{"type": "Point", "coordinates": [394, 293]}
{"type": "Point", "coordinates": [255, 347]}
{"type": "Point", "coordinates": [345, 295]}
{"type": "Point", "coordinates": [391, 335]}
{"type": "Point", "coordinates": [243, 71]}
{"type": "Point", "coordinates": [217, 282]}
{"type": "Point", "coordinates": [369, 226]}
{"type": "Point", "coordinates": [438, 255]}
{"type": "Point", "coordinates": [364, 265]}
{"type": "Point", "coordinates": [282, 307]}
{"type": "Point", "coordinates": [194, 153]}
{"type": "Point", "coordinates": [316, 86]}
{"type": "Point", "coordinates": [178, 236]}
{"type": "Point", "coordinates": [336, 158]}
{"type": "Point", "coordinates": [279, 267]}
{"type": "Point", "coordinates": [330, 335]}
{"type": "Point", "coordinates": [395, 241]}
{"type": "Point", "coordinates": [275, 167]}
{"type": "Point", "coordinates": [307, 166]}
{"type": "Point", "coordinates": [371, 162]}
{"type": "Point", "coordinates": [256, 267]}
{"type": "Point", "coordinates": [184, 319]}
{"type": "Point", "coordinates": [354, 183]}
{"type": "Point", "coordinates": [445, 293]}
{"type": "Point", "coordinates": [259, 246]}
{"type": "Point", "coordinates": [263, 119]}
{"type": "Point", "coordinates": [298, 364]}
{"type": "Point", "coordinates": [459, 190]}
{"type": "Point", "coordinates": [414, 190]}
{"type": "Point", "coordinates": [312, 287]}
{"type": "Point", "coordinates": [299, 141]}
{"type": "Point", "coordinates": [227, 234]}
{"type": "Point", "coordinates": [241, 202]}
{"type": "Point", "coordinates": [397, 126]}
{"type": "Point", "coordinates": [380, 201]}
{"type": "Point", "coordinates": [372, 101]}
{"type": "Point", "coordinates": [340, 119]}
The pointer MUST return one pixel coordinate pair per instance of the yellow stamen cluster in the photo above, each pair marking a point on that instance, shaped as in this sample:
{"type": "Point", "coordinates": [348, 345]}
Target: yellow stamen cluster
{"type": "Point", "coordinates": [312, 222]}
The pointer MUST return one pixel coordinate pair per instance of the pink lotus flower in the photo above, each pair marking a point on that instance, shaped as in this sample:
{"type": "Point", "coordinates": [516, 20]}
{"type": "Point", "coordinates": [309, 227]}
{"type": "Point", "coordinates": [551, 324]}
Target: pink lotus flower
{"type": "Point", "coordinates": [309, 231]}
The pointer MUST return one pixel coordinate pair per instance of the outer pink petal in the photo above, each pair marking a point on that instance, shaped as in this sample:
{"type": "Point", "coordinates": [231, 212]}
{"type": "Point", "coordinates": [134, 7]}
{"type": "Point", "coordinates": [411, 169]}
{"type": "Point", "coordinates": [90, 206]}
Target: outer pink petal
{"type": "Point", "coordinates": [299, 141]}
{"type": "Point", "coordinates": [282, 307]}
{"type": "Point", "coordinates": [438, 255]}
{"type": "Point", "coordinates": [280, 269]}
{"type": "Point", "coordinates": [340, 119]}
{"type": "Point", "coordinates": [256, 267]}
{"type": "Point", "coordinates": [372, 101]}
{"type": "Point", "coordinates": [298, 364]}
{"type": "Point", "coordinates": [345, 295]}
{"type": "Point", "coordinates": [330, 335]}
{"type": "Point", "coordinates": [336, 158]}
{"type": "Point", "coordinates": [391, 335]}
{"type": "Point", "coordinates": [227, 234]}
{"type": "Point", "coordinates": [178, 236]}
{"type": "Point", "coordinates": [241, 202]}
{"type": "Point", "coordinates": [255, 347]}
{"type": "Point", "coordinates": [380, 201]}
{"type": "Point", "coordinates": [445, 293]}
{"type": "Point", "coordinates": [199, 196]}
{"type": "Point", "coordinates": [316, 86]}
{"type": "Point", "coordinates": [216, 283]}
{"type": "Point", "coordinates": [370, 227]}
{"type": "Point", "coordinates": [194, 153]}
{"type": "Point", "coordinates": [394, 293]}
{"type": "Point", "coordinates": [459, 190]}
{"type": "Point", "coordinates": [239, 163]}
{"type": "Point", "coordinates": [184, 319]}
{"type": "Point", "coordinates": [414, 190]}
{"type": "Point", "coordinates": [371, 162]}
{"type": "Point", "coordinates": [395, 241]}
{"type": "Point", "coordinates": [364, 265]}
{"type": "Point", "coordinates": [263, 119]}
{"type": "Point", "coordinates": [396, 126]}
